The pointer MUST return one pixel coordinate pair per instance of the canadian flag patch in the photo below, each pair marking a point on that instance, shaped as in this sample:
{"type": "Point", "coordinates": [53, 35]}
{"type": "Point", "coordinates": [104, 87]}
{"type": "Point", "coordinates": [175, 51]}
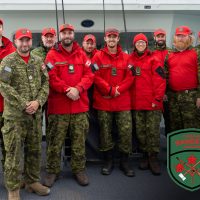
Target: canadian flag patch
{"type": "Point", "coordinates": [43, 67]}
{"type": "Point", "coordinates": [88, 63]}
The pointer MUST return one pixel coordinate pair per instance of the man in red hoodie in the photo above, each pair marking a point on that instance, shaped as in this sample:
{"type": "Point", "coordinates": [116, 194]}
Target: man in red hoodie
{"type": "Point", "coordinates": [161, 52]}
{"type": "Point", "coordinates": [6, 48]}
{"type": "Point", "coordinates": [70, 76]}
{"type": "Point", "coordinates": [183, 81]}
{"type": "Point", "coordinates": [112, 101]}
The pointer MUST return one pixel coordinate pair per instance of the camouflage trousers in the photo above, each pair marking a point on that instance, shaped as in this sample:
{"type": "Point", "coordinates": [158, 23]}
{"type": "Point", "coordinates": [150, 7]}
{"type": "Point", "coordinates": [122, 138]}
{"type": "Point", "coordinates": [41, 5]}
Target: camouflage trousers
{"type": "Point", "coordinates": [148, 129]}
{"type": "Point", "coordinates": [183, 110]}
{"type": "Point", "coordinates": [2, 143]}
{"type": "Point", "coordinates": [124, 126]}
{"type": "Point", "coordinates": [58, 126]}
{"type": "Point", "coordinates": [22, 140]}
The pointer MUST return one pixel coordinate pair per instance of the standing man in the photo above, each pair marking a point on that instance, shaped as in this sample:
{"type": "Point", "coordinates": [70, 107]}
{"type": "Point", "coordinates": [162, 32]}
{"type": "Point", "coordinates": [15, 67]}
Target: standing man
{"type": "Point", "coordinates": [112, 101]}
{"type": "Point", "coordinates": [183, 82]}
{"type": "Point", "coordinates": [89, 45]}
{"type": "Point", "coordinates": [161, 52]}
{"type": "Point", "coordinates": [24, 86]}
{"type": "Point", "coordinates": [6, 48]}
{"type": "Point", "coordinates": [70, 77]}
{"type": "Point", "coordinates": [48, 41]}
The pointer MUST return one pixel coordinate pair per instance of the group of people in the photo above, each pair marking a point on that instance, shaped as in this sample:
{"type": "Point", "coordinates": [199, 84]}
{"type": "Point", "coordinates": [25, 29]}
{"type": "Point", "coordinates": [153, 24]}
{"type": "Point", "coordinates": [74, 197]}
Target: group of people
{"type": "Point", "coordinates": [133, 90]}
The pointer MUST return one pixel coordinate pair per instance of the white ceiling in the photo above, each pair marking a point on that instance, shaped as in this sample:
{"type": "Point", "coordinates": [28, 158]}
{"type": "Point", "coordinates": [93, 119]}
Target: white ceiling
{"type": "Point", "coordinates": [135, 5]}
{"type": "Point", "coordinates": [100, 1]}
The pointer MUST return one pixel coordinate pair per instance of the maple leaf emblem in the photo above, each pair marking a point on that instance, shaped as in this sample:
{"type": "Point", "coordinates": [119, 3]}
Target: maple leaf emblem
{"type": "Point", "coordinates": [179, 167]}
{"type": "Point", "coordinates": [192, 159]}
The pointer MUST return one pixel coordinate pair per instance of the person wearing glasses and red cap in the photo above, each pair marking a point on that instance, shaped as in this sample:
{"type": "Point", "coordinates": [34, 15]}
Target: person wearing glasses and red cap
{"type": "Point", "coordinates": [183, 78]}
{"type": "Point", "coordinates": [111, 99]}
{"type": "Point", "coordinates": [147, 94]}
{"type": "Point", "coordinates": [24, 86]}
{"type": "Point", "coordinates": [161, 52]}
{"type": "Point", "coordinates": [70, 76]}
{"type": "Point", "coordinates": [48, 41]}
{"type": "Point", "coordinates": [6, 48]}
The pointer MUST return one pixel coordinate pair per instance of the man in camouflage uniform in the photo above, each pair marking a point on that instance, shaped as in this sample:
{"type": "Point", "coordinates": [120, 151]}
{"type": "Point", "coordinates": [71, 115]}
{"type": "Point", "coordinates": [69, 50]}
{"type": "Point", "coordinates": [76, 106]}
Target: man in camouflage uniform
{"type": "Point", "coordinates": [24, 86]}
{"type": "Point", "coordinates": [48, 41]}
{"type": "Point", "coordinates": [6, 48]}
{"type": "Point", "coordinates": [70, 76]}
{"type": "Point", "coordinates": [183, 88]}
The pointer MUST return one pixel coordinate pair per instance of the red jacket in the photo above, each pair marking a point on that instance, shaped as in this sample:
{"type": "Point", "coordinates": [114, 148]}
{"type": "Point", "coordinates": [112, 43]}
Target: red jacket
{"type": "Point", "coordinates": [161, 55]}
{"type": "Point", "coordinates": [149, 85]}
{"type": "Point", "coordinates": [61, 78]}
{"type": "Point", "coordinates": [113, 71]}
{"type": "Point", "coordinates": [5, 50]}
{"type": "Point", "coordinates": [183, 70]}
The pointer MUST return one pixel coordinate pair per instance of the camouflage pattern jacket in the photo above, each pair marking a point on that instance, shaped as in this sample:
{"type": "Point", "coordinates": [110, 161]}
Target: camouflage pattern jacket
{"type": "Point", "coordinates": [21, 83]}
{"type": "Point", "coordinates": [40, 51]}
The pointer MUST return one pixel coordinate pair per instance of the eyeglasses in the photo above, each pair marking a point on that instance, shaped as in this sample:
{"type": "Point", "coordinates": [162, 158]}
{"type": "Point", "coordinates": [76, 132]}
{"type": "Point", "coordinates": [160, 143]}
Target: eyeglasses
{"type": "Point", "coordinates": [140, 43]}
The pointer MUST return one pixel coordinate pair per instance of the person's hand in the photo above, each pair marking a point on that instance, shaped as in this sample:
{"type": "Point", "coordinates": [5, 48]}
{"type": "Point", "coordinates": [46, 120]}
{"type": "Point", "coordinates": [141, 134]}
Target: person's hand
{"type": "Point", "coordinates": [72, 93]}
{"type": "Point", "coordinates": [117, 93]}
{"type": "Point", "coordinates": [32, 107]}
{"type": "Point", "coordinates": [153, 105]}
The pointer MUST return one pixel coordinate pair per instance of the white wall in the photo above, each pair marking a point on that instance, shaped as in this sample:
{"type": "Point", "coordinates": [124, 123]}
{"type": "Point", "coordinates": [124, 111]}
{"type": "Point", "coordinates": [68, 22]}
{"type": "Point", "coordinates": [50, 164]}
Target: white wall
{"type": "Point", "coordinates": [136, 20]}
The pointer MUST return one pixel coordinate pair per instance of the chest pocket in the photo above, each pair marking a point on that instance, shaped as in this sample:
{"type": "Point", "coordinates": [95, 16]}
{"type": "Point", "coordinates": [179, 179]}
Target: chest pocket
{"type": "Point", "coordinates": [78, 68]}
{"type": "Point", "coordinates": [61, 69]}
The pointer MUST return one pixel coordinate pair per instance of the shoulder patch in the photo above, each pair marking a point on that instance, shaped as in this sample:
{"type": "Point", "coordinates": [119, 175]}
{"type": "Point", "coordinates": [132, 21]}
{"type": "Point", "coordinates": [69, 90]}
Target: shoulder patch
{"type": "Point", "coordinates": [94, 67]}
{"type": "Point", "coordinates": [49, 66]}
{"type": "Point", "coordinates": [5, 74]}
{"type": "Point", "coordinates": [7, 69]}
{"type": "Point", "coordinates": [131, 67]}
{"type": "Point", "coordinates": [161, 72]}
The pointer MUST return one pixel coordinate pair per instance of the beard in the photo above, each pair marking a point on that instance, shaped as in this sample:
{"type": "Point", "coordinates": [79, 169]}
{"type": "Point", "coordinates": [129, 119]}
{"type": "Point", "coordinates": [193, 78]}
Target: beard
{"type": "Point", "coordinates": [49, 45]}
{"type": "Point", "coordinates": [67, 42]}
{"type": "Point", "coordinates": [181, 45]}
{"type": "Point", "coordinates": [24, 50]}
{"type": "Point", "coordinates": [161, 43]}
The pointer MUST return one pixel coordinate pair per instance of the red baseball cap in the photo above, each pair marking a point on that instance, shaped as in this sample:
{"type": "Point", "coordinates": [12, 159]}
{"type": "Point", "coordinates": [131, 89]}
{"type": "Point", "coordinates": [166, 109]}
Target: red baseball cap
{"type": "Point", "coordinates": [138, 37]}
{"type": "Point", "coordinates": [1, 21]}
{"type": "Point", "coordinates": [110, 31]}
{"type": "Point", "coordinates": [183, 30]}
{"type": "Point", "coordinates": [23, 32]}
{"type": "Point", "coordinates": [48, 30]}
{"type": "Point", "coordinates": [89, 37]}
{"type": "Point", "coordinates": [159, 31]}
{"type": "Point", "coordinates": [66, 26]}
